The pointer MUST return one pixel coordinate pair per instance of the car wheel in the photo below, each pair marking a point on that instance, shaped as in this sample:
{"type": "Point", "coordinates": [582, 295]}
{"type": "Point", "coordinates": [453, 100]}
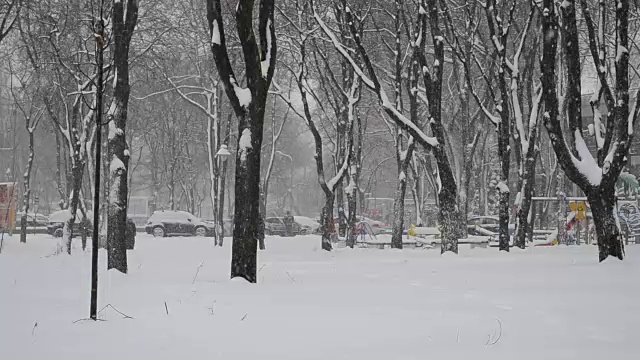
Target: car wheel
{"type": "Point", "coordinates": [201, 231]}
{"type": "Point", "coordinates": [58, 233]}
{"type": "Point", "coordinates": [158, 231]}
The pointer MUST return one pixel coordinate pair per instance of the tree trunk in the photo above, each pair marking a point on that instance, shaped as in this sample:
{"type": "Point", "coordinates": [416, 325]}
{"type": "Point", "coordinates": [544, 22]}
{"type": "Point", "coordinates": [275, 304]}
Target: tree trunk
{"type": "Point", "coordinates": [398, 208]}
{"type": "Point", "coordinates": [76, 171]}
{"type": "Point", "coordinates": [354, 185]}
{"type": "Point", "coordinates": [532, 218]}
{"type": "Point", "coordinates": [104, 204]}
{"type": "Point", "coordinates": [246, 231]}
{"type": "Point", "coordinates": [213, 145]}
{"type": "Point", "coordinates": [27, 187]}
{"type": "Point", "coordinates": [417, 189]}
{"type": "Point", "coordinates": [263, 216]}
{"type": "Point", "coordinates": [352, 220]}
{"type": "Point", "coordinates": [220, 210]}
{"type": "Point", "coordinates": [523, 222]}
{"type": "Point", "coordinates": [603, 207]}
{"type": "Point", "coordinates": [222, 179]}
{"type": "Point", "coordinates": [448, 216]}
{"type": "Point", "coordinates": [59, 184]}
{"type": "Point", "coordinates": [326, 222]}
{"type": "Point", "coordinates": [124, 23]}
{"type": "Point", "coordinates": [249, 107]}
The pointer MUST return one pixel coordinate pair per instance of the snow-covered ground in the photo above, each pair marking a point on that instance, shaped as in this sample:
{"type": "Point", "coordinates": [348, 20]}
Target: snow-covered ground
{"type": "Point", "coordinates": [542, 303]}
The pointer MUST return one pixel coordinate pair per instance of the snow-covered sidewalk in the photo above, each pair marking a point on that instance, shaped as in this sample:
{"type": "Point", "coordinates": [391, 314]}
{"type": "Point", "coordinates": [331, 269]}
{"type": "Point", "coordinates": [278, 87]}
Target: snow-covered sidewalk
{"type": "Point", "coordinates": [542, 303]}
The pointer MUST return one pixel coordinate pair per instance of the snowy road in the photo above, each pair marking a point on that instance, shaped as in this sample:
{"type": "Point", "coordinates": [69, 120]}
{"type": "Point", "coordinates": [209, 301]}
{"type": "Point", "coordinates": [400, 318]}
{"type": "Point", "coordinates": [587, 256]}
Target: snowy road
{"type": "Point", "coordinates": [545, 303]}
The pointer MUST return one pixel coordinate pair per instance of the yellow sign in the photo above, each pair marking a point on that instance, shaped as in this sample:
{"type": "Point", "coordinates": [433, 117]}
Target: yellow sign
{"type": "Point", "coordinates": [412, 230]}
{"type": "Point", "coordinates": [580, 208]}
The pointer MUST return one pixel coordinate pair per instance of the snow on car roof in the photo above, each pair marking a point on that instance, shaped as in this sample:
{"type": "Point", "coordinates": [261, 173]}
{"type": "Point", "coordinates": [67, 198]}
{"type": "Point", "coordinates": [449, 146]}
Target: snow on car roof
{"type": "Point", "coordinates": [64, 215]}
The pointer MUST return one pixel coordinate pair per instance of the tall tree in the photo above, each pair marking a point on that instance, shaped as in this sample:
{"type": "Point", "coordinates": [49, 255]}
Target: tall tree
{"type": "Point", "coordinates": [595, 176]}
{"type": "Point", "coordinates": [26, 102]}
{"type": "Point", "coordinates": [249, 106]}
{"type": "Point", "coordinates": [341, 102]}
{"type": "Point", "coordinates": [448, 216]}
{"type": "Point", "coordinates": [124, 18]}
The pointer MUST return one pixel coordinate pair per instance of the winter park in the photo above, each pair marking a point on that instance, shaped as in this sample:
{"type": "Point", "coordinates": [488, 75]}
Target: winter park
{"type": "Point", "coordinates": [319, 179]}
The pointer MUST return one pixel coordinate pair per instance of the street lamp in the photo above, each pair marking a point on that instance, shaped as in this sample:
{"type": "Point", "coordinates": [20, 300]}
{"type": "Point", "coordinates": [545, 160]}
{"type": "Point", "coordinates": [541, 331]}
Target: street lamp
{"type": "Point", "coordinates": [223, 153]}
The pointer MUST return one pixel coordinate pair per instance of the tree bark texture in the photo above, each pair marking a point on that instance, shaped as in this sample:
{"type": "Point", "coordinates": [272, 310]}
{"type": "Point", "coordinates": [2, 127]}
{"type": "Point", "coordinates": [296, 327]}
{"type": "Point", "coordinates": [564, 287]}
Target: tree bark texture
{"type": "Point", "coordinates": [597, 178]}
{"type": "Point", "coordinates": [27, 181]}
{"type": "Point", "coordinates": [249, 107]}
{"type": "Point", "coordinates": [124, 22]}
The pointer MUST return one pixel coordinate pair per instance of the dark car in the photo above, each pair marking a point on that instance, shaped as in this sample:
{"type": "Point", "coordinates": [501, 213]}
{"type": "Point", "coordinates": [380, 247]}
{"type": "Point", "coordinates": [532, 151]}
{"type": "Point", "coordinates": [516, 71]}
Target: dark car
{"type": "Point", "coordinates": [59, 218]}
{"type": "Point", "coordinates": [177, 223]}
{"type": "Point", "coordinates": [274, 226]}
{"type": "Point", "coordinates": [277, 226]}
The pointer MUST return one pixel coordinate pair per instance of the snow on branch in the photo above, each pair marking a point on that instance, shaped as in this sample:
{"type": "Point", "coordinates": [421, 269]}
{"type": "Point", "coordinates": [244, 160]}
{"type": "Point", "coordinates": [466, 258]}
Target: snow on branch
{"type": "Point", "coordinates": [373, 83]}
{"type": "Point", "coordinates": [237, 95]}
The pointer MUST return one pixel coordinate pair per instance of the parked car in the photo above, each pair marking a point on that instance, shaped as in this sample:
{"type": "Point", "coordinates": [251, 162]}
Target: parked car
{"type": "Point", "coordinates": [177, 223]}
{"type": "Point", "coordinates": [59, 218]}
{"type": "Point", "coordinates": [33, 220]}
{"type": "Point", "coordinates": [274, 226]}
{"type": "Point", "coordinates": [307, 225]}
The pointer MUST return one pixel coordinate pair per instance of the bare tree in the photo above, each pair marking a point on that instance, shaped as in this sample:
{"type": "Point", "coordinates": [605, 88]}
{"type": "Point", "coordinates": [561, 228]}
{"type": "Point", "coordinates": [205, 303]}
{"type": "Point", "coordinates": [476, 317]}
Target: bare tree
{"type": "Point", "coordinates": [249, 106]}
{"type": "Point", "coordinates": [448, 212]}
{"type": "Point", "coordinates": [27, 104]}
{"type": "Point", "coordinates": [595, 176]}
{"type": "Point", "coordinates": [276, 133]}
{"type": "Point", "coordinates": [301, 75]}
{"type": "Point", "coordinates": [125, 17]}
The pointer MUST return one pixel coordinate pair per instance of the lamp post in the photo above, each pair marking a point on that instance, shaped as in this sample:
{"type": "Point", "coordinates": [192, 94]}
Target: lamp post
{"type": "Point", "coordinates": [222, 155]}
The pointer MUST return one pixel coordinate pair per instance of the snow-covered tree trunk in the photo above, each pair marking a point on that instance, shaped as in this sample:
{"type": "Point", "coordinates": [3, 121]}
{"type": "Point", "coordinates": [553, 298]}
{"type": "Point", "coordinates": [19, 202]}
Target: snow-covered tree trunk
{"type": "Point", "coordinates": [222, 178]}
{"type": "Point", "coordinates": [104, 203]}
{"type": "Point", "coordinates": [417, 189]}
{"type": "Point", "coordinates": [403, 156]}
{"type": "Point", "coordinates": [352, 189]}
{"type": "Point", "coordinates": [328, 187]}
{"type": "Point", "coordinates": [596, 177]}
{"type": "Point", "coordinates": [213, 145]}
{"type": "Point", "coordinates": [499, 35]}
{"type": "Point", "coordinates": [124, 17]}
{"type": "Point", "coordinates": [249, 107]}
{"type": "Point", "coordinates": [351, 192]}
{"type": "Point", "coordinates": [31, 124]}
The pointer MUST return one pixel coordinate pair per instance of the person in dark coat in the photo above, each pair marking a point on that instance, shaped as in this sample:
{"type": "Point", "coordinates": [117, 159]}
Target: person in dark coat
{"type": "Point", "coordinates": [288, 223]}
